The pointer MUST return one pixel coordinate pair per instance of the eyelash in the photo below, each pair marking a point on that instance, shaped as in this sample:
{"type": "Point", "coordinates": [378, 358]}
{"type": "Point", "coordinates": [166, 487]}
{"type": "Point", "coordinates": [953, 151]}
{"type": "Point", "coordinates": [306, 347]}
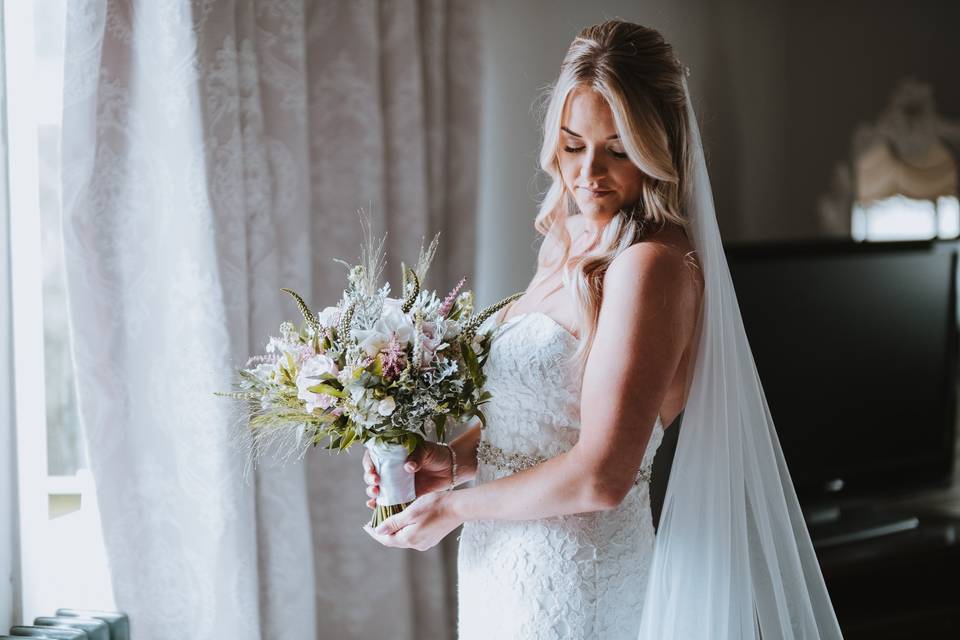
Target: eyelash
{"type": "Point", "coordinates": [616, 154]}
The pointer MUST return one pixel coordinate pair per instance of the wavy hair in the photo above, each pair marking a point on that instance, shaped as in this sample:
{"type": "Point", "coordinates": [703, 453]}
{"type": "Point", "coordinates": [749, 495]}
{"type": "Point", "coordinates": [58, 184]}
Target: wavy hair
{"type": "Point", "coordinates": [636, 71]}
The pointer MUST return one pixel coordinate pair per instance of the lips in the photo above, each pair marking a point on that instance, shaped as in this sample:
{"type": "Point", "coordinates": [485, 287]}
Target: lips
{"type": "Point", "coordinates": [597, 192]}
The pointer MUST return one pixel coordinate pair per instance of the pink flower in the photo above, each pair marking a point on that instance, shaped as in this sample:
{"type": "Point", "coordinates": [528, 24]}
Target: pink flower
{"type": "Point", "coordinates": [450, 299]}
{"type": "Point", "coordinates": [309, 375]}
{"type": "Point", "coordinates": [393, 358]}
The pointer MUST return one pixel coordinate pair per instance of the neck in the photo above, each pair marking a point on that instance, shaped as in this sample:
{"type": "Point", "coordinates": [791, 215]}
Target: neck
{"type": "Point", "coordinates": [593, 225]}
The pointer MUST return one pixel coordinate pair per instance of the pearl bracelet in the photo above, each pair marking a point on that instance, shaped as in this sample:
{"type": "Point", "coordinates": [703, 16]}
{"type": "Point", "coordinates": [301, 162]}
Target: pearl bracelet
{"type": "Point", "coordinates": [453, 466]}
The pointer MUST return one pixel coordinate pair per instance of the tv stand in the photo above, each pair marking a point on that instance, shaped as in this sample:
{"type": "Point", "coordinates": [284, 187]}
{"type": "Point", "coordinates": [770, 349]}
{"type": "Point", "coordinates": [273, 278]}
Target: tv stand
{"type": "Point", "coordinates": [834, 525]}
{"type": "Point", "coordinates": [892, 568]}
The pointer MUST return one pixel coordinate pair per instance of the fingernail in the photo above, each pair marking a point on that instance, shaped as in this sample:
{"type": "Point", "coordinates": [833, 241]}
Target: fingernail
{"type": "Point", "coordinates": [408, 467]}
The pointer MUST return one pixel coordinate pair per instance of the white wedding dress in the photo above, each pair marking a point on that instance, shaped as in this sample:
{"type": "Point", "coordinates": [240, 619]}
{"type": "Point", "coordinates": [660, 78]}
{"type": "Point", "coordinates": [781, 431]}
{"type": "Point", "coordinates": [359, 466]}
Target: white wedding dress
{"type": "Point", "coordinates": [569, 577]}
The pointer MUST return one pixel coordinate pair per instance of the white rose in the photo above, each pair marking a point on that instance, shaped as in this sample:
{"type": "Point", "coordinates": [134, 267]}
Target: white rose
{"type": "Point", "coordinates": [392, 321]}
{"type": "Point", "coordinates": [329, 317]}
{"type": "Point", "coordinates": [386, 406]}
{"type": "Point", "coordinates": [308, 376]}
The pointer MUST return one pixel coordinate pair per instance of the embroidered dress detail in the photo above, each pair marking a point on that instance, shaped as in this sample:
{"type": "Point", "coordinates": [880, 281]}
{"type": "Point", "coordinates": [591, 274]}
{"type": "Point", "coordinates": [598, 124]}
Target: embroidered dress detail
{"type": "Point", "coordinates": [504, 461]}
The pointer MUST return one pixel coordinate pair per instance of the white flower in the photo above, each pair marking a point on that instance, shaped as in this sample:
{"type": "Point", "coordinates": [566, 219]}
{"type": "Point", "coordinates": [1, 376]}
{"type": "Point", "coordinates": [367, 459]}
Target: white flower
{"type": "Point", "coordinates": [451, 329]}
{"type": "Point", "coordinates": [329, 317]}
{"type": "Point", "coordinates": [308, 376]}
{"type": "Point", "coordinates": [265, 371]}
{"type": "Point", "coordinates": [357, 393]}
{"type": "Point", "coordinates": [392, 321]}
{"type": "Point", "coordinates": [386, 406]}
{"type": "Point", "coordinates": [430, 341]}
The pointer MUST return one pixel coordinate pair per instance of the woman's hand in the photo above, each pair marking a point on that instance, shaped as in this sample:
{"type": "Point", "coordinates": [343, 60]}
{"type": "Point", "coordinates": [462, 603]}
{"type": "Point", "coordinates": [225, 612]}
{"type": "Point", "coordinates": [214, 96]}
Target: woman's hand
{"type": "Point", "coordinates": [421, 525]}
{"type": "Point", "coordinates": [430, 462]}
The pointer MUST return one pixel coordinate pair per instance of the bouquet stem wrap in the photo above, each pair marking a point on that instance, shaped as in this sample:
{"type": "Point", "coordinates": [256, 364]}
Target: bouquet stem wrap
{"type": "Point", "coordinates": [397, 489]}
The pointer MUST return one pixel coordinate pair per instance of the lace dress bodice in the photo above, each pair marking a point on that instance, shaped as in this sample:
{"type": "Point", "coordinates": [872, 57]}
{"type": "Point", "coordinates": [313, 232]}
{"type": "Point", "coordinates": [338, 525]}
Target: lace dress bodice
{"type": "Point", "coordinates": [574, 576]}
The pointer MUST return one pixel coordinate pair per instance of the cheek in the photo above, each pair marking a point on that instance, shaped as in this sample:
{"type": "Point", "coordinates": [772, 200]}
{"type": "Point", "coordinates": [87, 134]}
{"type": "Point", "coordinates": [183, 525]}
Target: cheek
{"type": "Point", "coordinates": [630, 178]}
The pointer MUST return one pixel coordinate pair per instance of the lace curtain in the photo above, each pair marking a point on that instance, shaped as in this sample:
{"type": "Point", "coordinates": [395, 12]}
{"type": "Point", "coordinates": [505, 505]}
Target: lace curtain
{"type": "Point", "coordinates": [214, 152]}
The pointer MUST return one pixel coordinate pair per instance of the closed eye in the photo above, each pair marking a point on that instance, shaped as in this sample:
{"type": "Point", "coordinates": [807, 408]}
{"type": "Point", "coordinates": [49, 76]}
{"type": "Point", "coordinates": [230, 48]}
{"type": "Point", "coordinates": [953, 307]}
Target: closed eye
{"type": "Point", "coordinates": [615, 154]}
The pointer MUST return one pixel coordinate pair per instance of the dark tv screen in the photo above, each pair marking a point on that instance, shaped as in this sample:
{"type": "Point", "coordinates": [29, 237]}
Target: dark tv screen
{"type": "Point", "coordinates": [856, 350]}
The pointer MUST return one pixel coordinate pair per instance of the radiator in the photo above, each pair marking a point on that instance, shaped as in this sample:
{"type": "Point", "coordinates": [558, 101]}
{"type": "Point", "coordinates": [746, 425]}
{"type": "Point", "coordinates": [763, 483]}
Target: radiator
{"type": "Point", "coordinates": [75, 624]}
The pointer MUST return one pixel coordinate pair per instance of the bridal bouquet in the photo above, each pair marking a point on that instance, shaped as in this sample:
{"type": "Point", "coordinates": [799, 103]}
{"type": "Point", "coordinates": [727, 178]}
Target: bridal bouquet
{"type": "Point", "coordinates": [374, 369]}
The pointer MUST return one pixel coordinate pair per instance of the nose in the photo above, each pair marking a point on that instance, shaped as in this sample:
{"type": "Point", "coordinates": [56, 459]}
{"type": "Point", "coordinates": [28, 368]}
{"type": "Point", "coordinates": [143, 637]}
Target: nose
{"type": "Point", "coordinates": [593, 165]}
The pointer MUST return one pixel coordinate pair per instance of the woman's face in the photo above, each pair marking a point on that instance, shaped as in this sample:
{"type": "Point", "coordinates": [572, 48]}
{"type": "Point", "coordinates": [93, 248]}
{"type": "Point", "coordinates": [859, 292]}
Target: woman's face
{"type": "Point", "coordinates": [593, 164]}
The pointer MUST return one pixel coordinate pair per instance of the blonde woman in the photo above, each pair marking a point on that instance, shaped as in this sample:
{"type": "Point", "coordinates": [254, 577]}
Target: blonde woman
{"type": "Point", "coordinates": [629, 321]}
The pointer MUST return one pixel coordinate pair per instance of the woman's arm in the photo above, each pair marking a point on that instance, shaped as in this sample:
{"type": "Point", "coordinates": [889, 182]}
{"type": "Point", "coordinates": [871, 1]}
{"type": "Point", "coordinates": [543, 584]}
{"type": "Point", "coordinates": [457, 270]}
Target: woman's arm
{"type": "Point", "coordinates": [646, 319]}
{"type": "Point", "coordinates": [465, 447]}
{"type": "Point", "coordinates": [643, 329]}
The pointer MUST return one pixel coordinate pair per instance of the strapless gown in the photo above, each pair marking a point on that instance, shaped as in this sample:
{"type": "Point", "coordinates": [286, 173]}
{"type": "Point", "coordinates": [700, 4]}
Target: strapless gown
{"type": "Point", "coordinates": [568, 577]}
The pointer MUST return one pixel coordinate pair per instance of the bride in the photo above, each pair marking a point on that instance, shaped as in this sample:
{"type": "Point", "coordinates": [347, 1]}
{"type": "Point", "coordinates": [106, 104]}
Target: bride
{"type": "Point", "coordinates": [629, 325]}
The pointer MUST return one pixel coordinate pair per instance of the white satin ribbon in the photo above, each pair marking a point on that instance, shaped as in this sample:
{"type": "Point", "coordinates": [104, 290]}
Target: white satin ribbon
{"type": "Point", "coordinates": [396, 484]}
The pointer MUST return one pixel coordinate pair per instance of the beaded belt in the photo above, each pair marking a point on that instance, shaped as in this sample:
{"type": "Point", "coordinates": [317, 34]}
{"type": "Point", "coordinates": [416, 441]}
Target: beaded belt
{"type": "Point", "coordinates": [497, 457]}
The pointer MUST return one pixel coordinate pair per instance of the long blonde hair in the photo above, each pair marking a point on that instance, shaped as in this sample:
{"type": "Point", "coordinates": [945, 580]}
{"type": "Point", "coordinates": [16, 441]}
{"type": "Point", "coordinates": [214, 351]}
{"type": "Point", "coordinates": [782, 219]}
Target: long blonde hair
{"type": "Point", "coordinates": [635, 70]}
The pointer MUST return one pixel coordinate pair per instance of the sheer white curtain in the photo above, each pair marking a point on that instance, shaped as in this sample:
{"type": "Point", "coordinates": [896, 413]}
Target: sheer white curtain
{"type": "Point", "coordinates": [9, 551]}
{"type": "Point", "coordinates": [213, 152]}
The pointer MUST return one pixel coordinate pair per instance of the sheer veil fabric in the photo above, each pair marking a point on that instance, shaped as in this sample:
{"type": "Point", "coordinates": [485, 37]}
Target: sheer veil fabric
{"type": "Point", "coordinates": [733, 559]}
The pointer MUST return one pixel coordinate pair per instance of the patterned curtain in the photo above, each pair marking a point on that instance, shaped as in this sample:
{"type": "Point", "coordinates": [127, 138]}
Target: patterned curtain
{"type": "Point", "coordinates": [213, 152]}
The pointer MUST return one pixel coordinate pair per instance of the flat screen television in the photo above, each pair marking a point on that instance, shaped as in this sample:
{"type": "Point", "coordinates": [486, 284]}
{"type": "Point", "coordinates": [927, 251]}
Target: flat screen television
{"type": "Point", "coordinates": [856, 347]}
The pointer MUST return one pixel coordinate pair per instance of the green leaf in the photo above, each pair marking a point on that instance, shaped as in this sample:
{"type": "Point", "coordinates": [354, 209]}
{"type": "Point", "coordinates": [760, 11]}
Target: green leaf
{"type": "Point", "coordinates": [410, 441]}
{"type": "Point", "coordinates": [440, 421]}
{"type": "Point", "coordinates": [327, 389]}
{"type": "Point", "coordinates": [347, 439]}
{"type": "Point", "coordinates": [473, 366]}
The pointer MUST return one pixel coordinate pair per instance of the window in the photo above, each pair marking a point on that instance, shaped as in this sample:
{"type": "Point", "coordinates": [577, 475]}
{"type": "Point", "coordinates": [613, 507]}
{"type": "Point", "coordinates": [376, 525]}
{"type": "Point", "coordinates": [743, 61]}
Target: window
{"type": "Point", "coordinates": [63, 563]}
{"type": "Point", "coordinates": [903, 218]}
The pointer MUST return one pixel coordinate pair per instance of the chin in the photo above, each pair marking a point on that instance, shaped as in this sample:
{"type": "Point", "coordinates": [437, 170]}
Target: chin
{"type": "Point", "coordinates": [600, 212]}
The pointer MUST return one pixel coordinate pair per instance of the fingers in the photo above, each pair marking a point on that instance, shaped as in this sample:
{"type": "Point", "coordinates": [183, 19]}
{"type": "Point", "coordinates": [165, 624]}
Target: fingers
{"type": "Point", "coordinates": [370, 475]}
{"type": "Point", "coordinates": [403, 536]}
{"type": "Point", "coordinates": [413, 460]}
{"type": "Point", "coordinates": [385, 540]}
{"type": "Point", "coordinates": [396, 522]}
{"type": "Point", "coordinates": [367, 462]}
{"type": "Point", "coordinates": [372, 479]}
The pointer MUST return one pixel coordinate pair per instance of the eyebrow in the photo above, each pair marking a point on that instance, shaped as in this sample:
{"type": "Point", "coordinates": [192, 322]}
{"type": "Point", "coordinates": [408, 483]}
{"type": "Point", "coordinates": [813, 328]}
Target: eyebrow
{"type": "Point", "coordinates": [577, 135]}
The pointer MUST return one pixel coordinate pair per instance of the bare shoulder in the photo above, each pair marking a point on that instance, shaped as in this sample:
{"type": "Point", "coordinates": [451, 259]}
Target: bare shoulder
{"type": "Point", "coordinates": [663, 263]}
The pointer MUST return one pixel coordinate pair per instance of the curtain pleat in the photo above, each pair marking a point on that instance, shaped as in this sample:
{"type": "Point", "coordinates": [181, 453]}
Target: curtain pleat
{"type": "Point", "coordinates": [213, 153]}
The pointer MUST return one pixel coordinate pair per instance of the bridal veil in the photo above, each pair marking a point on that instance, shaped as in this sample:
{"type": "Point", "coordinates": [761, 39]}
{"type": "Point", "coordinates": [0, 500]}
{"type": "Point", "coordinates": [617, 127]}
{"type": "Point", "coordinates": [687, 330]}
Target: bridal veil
{"type": "Point", "coordinates": [733, 559]}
